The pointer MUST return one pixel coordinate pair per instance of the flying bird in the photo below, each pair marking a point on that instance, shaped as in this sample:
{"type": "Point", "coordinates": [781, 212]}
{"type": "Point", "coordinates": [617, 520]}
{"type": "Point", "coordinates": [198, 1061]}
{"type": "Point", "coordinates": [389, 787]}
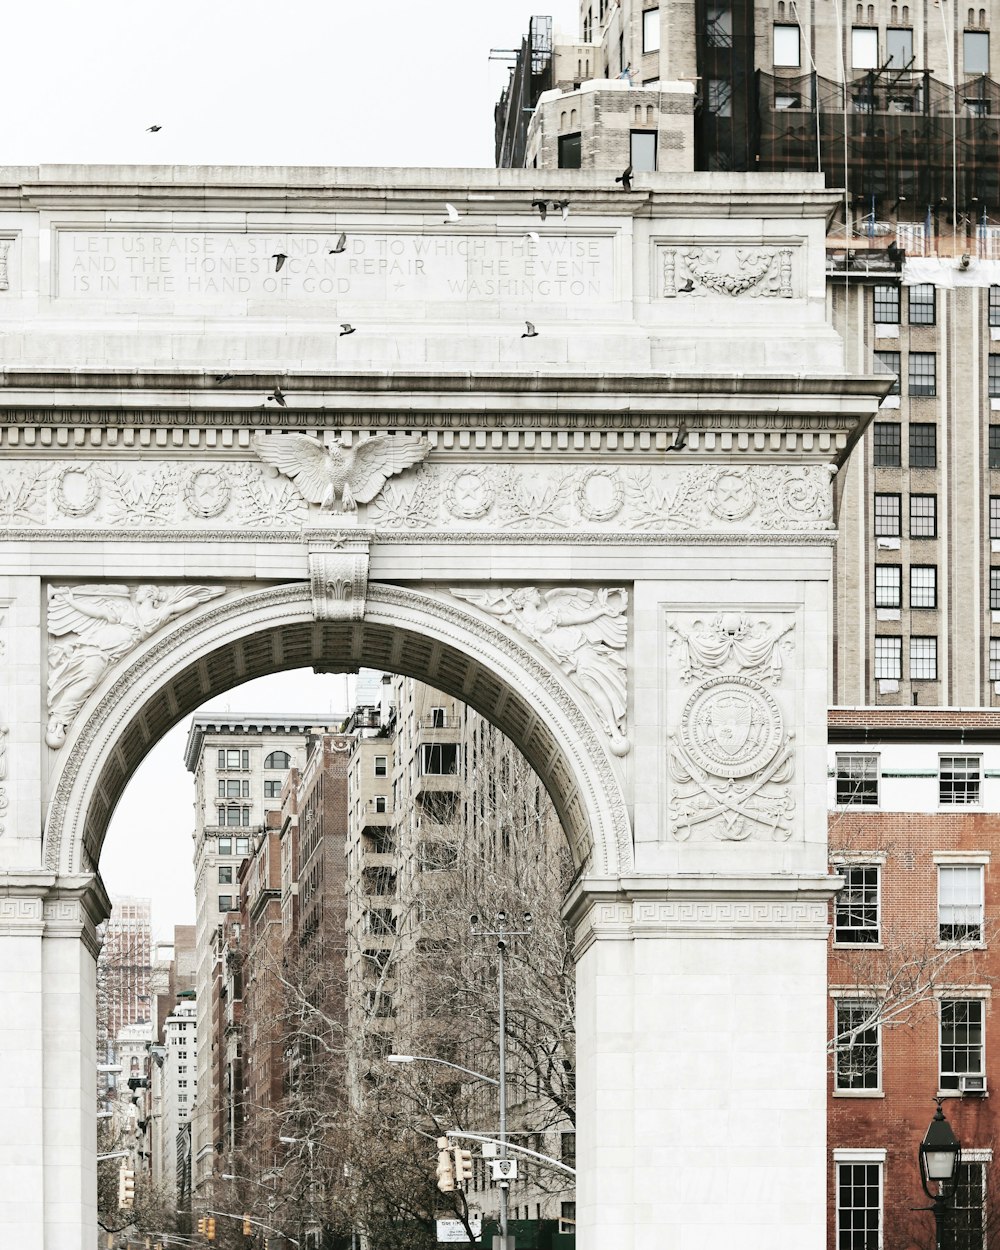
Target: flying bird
{"type": "Point", "coordinates": [533, 235]}
{"type": "Point", "coordinates": [279, 259]}
{"type": "Point", "coordinates": [680, 438]}
{"type": "Point", "coordinates": [153, 129]}
{"type": "Point", "coordinates": [224, 377]}
{"type": "Point", "coordinates": [355, 474]}
{"type": "Point", "coordinates": [278, 397]}
{"type": "Point", "coordinates": [542, 206]}
{"type": "Point", "coordinates": [341, 244]}
{"type": "Point", "coordinates": [686, 288]}
{"type": "Point", "coordinates": [346, 328]}
{"type": "Point", "coordinates": [453, 214]}
{"type": "Point", "coordinates": [530, 332]}
{"type": "Point", "coordinates": [626, 179]}
{"type": "Point", "coordinates": [563, 206]}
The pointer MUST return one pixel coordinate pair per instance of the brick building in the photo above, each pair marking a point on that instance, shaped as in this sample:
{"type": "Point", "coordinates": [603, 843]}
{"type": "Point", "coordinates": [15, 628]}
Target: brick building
{"type": "Point", "coordinates": [914, 960]}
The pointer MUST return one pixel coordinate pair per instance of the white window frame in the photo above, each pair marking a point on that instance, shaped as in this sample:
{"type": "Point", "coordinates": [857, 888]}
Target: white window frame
{"type": "Point", "coordinates": [862, 54]}
{"type": "Point", "coordinates": [961, 994]}
{"type": "Point", "coordinates": [847, 1158]}
{"type": "Point", "coordinates": [950, 803]}
{"type": "Point", "coordinates": [843, 866]}
{"type": "Point", "coordinates": [781, 45]}
{"type": "Point", "coordinates": [382, 760]}
{"type": "Point", "coordinates": [856, 997]}
{"type": "Point", "coordinates": [946, 860]}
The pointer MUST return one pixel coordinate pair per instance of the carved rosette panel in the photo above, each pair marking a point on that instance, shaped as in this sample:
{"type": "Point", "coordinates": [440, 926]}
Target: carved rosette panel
{"type": "Point", "coordinates": [731, 757]}
{"type": "Point", "coordinates": [756, 272]}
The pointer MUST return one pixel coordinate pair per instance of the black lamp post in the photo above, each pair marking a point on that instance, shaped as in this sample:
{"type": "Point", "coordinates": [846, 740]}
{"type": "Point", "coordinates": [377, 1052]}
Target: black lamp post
{"type": "Point", "coordinates": [940, 1154]}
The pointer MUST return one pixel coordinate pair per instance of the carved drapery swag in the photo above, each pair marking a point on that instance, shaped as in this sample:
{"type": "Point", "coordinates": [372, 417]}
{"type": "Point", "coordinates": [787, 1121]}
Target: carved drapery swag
{"type": "Point", "coordinates": [93, 627]}
{"type": "Point", "coordinates": [584, 631]}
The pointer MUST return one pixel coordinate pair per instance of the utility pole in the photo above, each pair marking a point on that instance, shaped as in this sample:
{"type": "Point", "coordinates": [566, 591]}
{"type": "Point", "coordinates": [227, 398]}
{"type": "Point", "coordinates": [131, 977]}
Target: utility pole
{"type": "Point", "coordinates": [502, 934]}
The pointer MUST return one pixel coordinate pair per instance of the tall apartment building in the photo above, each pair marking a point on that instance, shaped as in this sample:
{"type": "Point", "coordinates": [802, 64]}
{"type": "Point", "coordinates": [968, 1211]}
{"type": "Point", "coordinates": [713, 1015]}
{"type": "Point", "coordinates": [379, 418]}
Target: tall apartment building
{"type": "Point", "coordinates": [896, 104]}
{"type": "Point", "coordinates": [172, 1070]}
{"type": "Point", "coordinates": [124, 968]}
{"type": "Point", "coordinates": [239, 764]}
{"type": "Point", "coordinates": [914, 964]}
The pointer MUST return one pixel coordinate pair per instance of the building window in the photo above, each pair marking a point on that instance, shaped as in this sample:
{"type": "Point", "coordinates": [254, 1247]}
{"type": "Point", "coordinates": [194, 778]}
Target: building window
{"type": "Point", "coordinates": [859, 1206]}
{"type": "Point", "coordinates": [642, 151]}
{"type": "Point", "coordinates": [923, 373]}
{"type": "Point", "coordinates": [976, 49]}
{"type": "Point", "coordinates": [961, 1040]}
{"type": "Point", "coordinates": [994, 516]}
{"type": "Point", "coordinates": [994, 306]}
{"type": "Point", "coordinates": [857, 779]}
{"type": "Point", "coordinates": [995, 588]}
{"type": "Point", "coordinates": [567, 1218]}
{"type": "Point", "coordinates": [888, 578]}
{"type": "Point", "coordinates": [856, 907]}
{"type": "Point", "coordinates": [225, 902]}
{"type": "Point", "coordinates": [921, 304]}
{"type": "Point", "coordinates": [225, 846]}
{"type": "Point", "coordinates": [923, 659]}
{"type": "Point", "coordinates": [567, 1149]}
{"type": "Point", "coordinates": [438, 759]}
{"type": "Point", "coordinates": [234, 816]}
{"type": "Point", "coordinates": [888, 658]}
{"type": "Point", "coordinates": [278, 759]}
{"type": "Point", "coordinates": [967, 1207]}
{"type": "Point", "coordinates": [994, 375]}
{"type": "Point", "coordinates": [856, 1044]}
{"type": "Point", "coordinates": [272, 789]}
{"type": "Point", "coordinates": [720, 97]}
{"type": "Point", "coordinates": [226, 874]}
{"type": "Point", "coordinates": [899, 47]}
{"type": "Point", "coordinates": [718, 24]}
{"type": "Point", "coordinates": [887, 516]}
{"type": "Point", "coordinates": [234, 761]}
{"type": "Point", "coordinates": [886, 444]}
{"type": "Point", "coordinates": [651, 30]}
{"type": "Point", "coordinates": [923, 516]}
{"type": "Point", "coordinates": [995, 446]}
{"type": "Point", "coordinates": [234, 789]}
{"type": "Point", "coordinates": [786, 46]}
{"type": "Point", "coordinates": [923, 445]}
{"type": "Point", "coordinates": [995, 659]}
{"type": "Point", "coordinates": [923, 585]}
{"type": "Point", "coordinates": [243, 846]}
{"type": "Point", "coordinates": [380, 803]}
{"type": "Point", "coordinates": [381, 765]}
{"type": "Point", "coordinates": [438, 718]}
{"type": "Point", "coordinates": [960, 902]}
{"type": "Point", "coordinates": [864, 53]}
{"type": "Point", "coordinates": [889, 362]}
{"type": "Point", "coordinates": [958, 783]}
{"type": "Point", "coordinates": [569, 151]}
{"type": "Point", "coordinates": [886, 305]}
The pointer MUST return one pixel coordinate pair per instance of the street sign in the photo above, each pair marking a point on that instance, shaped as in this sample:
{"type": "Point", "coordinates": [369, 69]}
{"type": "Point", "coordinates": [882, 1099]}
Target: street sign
{"type": "Point", "coordinates": [454, 1230]}
{"type": "Point", "coordinates": [503, 1169]}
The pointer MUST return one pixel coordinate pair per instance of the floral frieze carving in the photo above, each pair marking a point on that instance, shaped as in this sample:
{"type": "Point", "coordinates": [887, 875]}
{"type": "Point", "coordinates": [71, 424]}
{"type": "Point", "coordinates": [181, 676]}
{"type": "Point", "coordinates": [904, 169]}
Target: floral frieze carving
{"type": "Point", "coordinates": [760, 272]}
{"type": "Point", "coordinates": [584, 632]}
{"type": "Point", "coordinates": [731, 756]}
{"type": "Point", "coordinates": [91, 628]}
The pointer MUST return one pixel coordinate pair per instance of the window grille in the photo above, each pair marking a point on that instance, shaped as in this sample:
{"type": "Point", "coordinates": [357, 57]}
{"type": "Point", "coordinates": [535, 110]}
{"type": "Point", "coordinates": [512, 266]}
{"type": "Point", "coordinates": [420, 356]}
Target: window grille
{"type": "Point", "coordinates": [923, 516]}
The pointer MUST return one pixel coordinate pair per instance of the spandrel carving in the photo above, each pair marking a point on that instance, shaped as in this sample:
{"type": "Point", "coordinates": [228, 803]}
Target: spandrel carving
{"type": "Point", "coordinates": [92, 627]}
{"type": "Point", "coordinates": [584, 631]}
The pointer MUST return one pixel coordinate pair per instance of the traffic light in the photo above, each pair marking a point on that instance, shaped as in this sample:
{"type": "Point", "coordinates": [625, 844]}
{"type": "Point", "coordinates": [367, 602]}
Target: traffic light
{"type": "Point", "coordinates": [247, 1226]}
{"type": "Point", "coordinates": [126, 1186]}
{"type": "Point", "coordinates": [210, 1228]}
{"type": "Point", "coordinates": [202, 1222]}
{"type": "Point", "coordinates": [445, 1167]}
{"type": "Point", "coordinates": [463, 1166]}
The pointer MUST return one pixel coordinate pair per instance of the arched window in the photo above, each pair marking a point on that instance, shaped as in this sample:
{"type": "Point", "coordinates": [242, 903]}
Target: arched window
{"type": "Point", "coordinates": [278, 759]}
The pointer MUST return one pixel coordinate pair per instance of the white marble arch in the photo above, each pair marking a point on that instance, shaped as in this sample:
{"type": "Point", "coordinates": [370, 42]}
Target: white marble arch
{"type": "Point", "coordinates": [421, 634]}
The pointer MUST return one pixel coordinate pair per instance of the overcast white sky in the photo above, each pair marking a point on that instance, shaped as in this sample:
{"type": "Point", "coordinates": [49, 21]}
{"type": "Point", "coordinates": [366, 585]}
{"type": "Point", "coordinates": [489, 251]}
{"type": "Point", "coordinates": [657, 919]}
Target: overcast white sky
{"type": "Point", "coordinates": [232, 82]}
{"type": "Point", "coordinates": [246, 82]}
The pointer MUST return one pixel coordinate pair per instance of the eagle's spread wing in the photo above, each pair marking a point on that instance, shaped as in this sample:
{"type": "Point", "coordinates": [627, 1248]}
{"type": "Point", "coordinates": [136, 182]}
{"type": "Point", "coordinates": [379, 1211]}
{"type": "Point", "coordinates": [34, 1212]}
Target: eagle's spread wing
{"type": "Point", "coordinates": [379, 458]}
{"type": "Point", "coordinates": [307, 462]}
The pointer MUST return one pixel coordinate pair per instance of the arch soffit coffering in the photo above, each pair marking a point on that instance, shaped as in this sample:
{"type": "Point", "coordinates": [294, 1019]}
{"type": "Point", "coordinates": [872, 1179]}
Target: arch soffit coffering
{"type": "Point", "coordinates": [424, 635]}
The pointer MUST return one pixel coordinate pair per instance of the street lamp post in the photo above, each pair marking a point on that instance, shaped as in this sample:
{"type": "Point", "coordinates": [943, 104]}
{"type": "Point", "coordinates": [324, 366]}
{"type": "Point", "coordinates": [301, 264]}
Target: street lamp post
{"type": "Point", "coordinates": [480, 1076]}
{"type": "Point", "coordinates": [502, 934]}
{"type": "Point", "coordinates": [940, 1153]}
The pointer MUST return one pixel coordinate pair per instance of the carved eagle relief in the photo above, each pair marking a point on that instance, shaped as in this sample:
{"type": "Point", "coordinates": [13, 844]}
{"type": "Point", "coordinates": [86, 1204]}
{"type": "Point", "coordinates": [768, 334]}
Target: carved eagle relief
{"type": "Point", "coordinates": [355, 474]}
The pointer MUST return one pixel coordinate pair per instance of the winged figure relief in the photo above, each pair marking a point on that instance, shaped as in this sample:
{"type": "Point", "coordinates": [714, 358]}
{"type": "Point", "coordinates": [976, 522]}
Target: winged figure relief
{"type": "Point", "coordinates": [584, 631]}
{"type": "Point", "coordinates": [355, 474]}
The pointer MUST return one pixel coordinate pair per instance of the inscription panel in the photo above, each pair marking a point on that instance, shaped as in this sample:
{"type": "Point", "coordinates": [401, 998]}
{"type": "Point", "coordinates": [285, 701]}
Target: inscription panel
{"type": "Point", "coordinates": [193, 265]}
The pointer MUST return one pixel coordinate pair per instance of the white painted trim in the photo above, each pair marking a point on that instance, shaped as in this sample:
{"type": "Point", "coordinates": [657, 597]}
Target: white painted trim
{"type": "Point", "coordinates": [863, 1154]}
{"type": "Point", "coordinates": [972, 858]}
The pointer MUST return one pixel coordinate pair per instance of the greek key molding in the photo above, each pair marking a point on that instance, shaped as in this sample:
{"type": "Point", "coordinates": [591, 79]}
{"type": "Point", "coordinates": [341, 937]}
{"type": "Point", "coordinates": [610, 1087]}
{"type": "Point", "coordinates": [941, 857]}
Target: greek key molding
{"type": "Point", "coordinates": [594, 774]}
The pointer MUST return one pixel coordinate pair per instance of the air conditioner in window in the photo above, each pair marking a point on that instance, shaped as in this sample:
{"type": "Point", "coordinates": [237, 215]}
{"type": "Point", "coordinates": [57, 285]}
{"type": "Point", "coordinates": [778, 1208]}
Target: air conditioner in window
{"type": "Point", "coordinates": [972, 1084]}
